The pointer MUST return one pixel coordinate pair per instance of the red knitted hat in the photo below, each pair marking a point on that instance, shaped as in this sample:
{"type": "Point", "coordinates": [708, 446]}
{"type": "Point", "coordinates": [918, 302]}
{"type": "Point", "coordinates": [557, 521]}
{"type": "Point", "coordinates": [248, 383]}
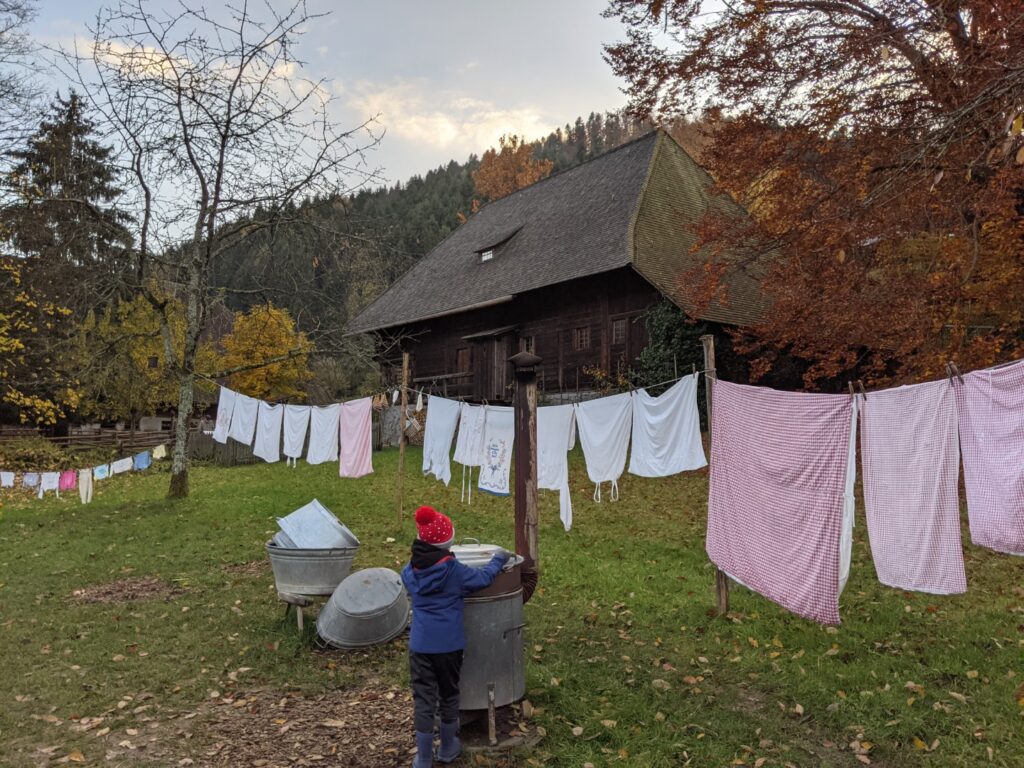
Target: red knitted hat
{"type": "Point", "coordinates": [434, 527]}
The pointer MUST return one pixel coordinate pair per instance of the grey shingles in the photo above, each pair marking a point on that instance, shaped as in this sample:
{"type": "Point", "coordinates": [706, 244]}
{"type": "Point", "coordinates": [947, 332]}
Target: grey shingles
{"type": "Point", "coordinates": [570, 225]}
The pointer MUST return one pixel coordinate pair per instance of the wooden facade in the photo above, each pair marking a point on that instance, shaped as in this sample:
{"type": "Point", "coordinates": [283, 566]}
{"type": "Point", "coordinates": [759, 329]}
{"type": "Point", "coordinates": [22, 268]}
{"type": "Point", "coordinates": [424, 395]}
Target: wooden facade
{"type": "Point", "coordinates": [576, 327]}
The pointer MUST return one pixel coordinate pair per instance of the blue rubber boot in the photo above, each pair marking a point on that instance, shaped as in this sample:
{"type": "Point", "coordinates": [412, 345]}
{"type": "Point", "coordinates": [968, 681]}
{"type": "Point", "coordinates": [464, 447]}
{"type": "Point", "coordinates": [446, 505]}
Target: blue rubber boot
{"type": "Point", "coordinates": [451, 747]}
{"type": "Point", "coordinates": [424, 750]}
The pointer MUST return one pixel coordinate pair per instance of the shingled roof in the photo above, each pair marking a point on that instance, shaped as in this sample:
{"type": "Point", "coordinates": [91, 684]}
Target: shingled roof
{"type": "Point", "coordinates": [570, 225]}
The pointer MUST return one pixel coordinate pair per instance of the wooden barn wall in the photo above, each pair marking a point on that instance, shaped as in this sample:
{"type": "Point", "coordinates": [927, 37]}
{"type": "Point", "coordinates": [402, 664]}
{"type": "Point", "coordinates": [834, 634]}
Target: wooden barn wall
{"type": "Point", "coordinates": [549, 316]}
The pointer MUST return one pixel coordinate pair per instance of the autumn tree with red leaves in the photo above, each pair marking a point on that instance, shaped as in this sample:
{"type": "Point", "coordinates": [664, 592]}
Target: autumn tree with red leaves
{"type": "Point", "coordinates": [878, 146]}
{"type": "Point", "coordinates": [508, 168]}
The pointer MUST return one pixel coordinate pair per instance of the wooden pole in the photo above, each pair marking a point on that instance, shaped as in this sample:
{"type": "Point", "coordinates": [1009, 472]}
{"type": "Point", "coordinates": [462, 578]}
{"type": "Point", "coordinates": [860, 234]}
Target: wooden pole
{"type": "Point", "coordinates": [526, 517]}
{"type": "Point", "coordinates": [721, 580]}
{"type": "Point", "coordinates": [403, 415]}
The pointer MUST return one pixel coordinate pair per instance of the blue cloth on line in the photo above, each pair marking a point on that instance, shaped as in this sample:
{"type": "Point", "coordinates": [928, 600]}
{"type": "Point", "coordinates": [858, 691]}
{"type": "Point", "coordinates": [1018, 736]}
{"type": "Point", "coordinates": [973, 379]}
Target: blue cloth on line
{"type": "Point", "coordinates": [30, 479]}
{"type": "Point", "coordinates": [142, 460]}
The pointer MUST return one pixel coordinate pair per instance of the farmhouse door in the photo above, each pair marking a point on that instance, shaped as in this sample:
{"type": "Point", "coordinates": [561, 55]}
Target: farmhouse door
{"type": "Point", "coordinates": [490, 368]}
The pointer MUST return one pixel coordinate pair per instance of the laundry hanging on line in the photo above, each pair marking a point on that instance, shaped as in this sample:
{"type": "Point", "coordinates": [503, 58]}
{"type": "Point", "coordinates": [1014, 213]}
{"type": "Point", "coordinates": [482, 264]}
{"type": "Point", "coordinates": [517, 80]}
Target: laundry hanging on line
{"type": "Point", "coordinates": [604, 425]}
{"type": "Point", "coordinates": [356, 448]}
{"type": "Point", "coordinates": [556, 436]}
{"type": "Point", "coordinates": [469, 443]}
{"type": "Point", "coordinates": [296, 424]}
{"type": "Point", "coordinates": [499, 437]}
{"type": "Point", "coordinates": [910, 458]}
{"type": "Point", "coordinates": [267, 445]}
{"type": "Point", "coordinates": [442, 418]}
{"type": "Point", "coordinates": [225, 407]}
{"type": "Point", "coordinates": [780, 503]}
{"type": "Point", "coordinates": [990, 407]}
{"type": "Point", "coordinates": [243, 419]}
{"type": "Point", "coordinates": [324, 423]}
{"type": "Point", "coordinates": [666, 431]}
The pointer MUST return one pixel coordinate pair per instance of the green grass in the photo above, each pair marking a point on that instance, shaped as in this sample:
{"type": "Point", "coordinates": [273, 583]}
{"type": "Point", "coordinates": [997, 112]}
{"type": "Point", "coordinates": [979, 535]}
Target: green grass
{"type": "Point", "coordinates": [624, 602]}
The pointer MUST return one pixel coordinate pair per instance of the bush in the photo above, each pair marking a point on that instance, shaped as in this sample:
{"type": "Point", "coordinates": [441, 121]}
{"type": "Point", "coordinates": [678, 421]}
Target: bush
{"type": "Point", "coordinates": [31, 454]}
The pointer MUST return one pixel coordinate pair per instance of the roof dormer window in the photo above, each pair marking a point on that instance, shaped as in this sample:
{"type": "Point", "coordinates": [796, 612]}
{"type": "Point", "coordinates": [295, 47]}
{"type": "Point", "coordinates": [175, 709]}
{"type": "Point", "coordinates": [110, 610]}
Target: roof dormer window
{"type": "Point", "coordinates": [487, 255]}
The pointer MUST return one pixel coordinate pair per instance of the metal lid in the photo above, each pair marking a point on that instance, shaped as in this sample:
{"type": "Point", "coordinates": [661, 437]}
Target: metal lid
{"type": "Point", "coordinates": [313, 526]}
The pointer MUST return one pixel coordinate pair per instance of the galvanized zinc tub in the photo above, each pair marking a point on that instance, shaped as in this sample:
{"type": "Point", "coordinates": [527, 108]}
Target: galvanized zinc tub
{"type": "Point", "coordinates": [493, 623]}
{"type": "Point", "coordinates": [310, 571]}
{"type": "Point", "coordinates": [369, 607]}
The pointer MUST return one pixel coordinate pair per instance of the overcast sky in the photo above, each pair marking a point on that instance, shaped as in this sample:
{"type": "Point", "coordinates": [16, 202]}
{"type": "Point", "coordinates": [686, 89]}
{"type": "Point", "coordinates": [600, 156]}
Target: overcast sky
{"type": "Point", "coordinates": [447, 77]}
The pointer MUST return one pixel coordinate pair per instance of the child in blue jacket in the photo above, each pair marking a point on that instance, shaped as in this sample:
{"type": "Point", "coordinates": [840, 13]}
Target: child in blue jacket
{"type": "Point", "coordinates": [438, 583]}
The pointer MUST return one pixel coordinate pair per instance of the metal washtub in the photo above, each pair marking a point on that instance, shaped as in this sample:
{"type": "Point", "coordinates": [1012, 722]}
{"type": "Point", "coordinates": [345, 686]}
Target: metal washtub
{"type": "Point", "coordinates": [493, 623]}
{"type": "Point", "coordinates": [310, 571]}
{"type": "Point", "coordinates": [369, 607]}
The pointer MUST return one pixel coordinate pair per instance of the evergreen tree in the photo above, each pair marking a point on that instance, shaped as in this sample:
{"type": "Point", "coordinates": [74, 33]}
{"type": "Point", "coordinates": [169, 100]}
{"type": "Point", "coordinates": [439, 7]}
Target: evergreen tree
{"type": "Point", "coordinates": [63, 215]}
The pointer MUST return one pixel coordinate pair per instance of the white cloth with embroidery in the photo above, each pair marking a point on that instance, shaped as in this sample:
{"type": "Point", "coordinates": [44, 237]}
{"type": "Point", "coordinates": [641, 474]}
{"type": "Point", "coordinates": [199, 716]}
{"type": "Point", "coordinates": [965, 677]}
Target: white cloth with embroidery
{"type": "Point", "coordinates": [268, 432]}
{"type": "Point", "coordinates": [243, 419]}
{"type": "Point", "coordinates": [499, 433]}
{"type": "Point", "coordinates": [225, 406]}
{"type": "Point", "coordinates": [323, 434]}
{"type": "Point", "coordinates": [604, 426]}
{"type": "Point", "coordinates": [556, 436]}
{"type": "Point", "coordinates": [442, 418]}
{"type": "Point", "coordinates": [666, 431]}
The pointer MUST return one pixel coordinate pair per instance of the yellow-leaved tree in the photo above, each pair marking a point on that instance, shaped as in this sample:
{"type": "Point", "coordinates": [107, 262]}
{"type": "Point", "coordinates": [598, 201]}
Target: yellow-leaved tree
{"type": "Point", "coordinates": [266, 337]}
{"type": "Point", "coordinates": [31, 378]}
{"type": "Point", "coordinates": [122, 360]}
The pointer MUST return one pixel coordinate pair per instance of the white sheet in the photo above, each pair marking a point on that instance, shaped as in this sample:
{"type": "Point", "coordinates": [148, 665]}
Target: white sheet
{"type": "Point", "coordinates": [469, 444]}
{"type": "Point", "coordinates": [268, 432]}
{"type": "Point", "coordinates": [323, 434]}
{"type": "Point", "coordinates": [556, 436]}
{"type": "Point", "coordinates": [296, 423]}
{"type": "Point", "coordinates": [225, 406]}
{"type": "Point", "coordinates": [604, 426]}
{"type": "Point", "coordinates": [442, 418]}
{"type": "Point", "coordinates": [499, 433]}
{"type": "Point", "coordinates": [666, 431]}
{"type": "Point", "coordinates": [243, 419]}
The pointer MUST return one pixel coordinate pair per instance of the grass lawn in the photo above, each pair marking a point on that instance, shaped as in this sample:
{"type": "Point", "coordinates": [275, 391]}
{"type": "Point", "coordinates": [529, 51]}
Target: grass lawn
{"type": "Point", "coordinates": [626, 663]}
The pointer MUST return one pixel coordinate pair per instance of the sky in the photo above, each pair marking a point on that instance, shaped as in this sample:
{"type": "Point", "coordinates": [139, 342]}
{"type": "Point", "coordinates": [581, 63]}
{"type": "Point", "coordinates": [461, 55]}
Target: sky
{"type": "Point", "coordinates": [445, 78]}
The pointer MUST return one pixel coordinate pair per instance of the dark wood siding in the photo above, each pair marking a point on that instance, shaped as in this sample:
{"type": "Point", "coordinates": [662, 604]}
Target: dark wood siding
{"type": "Point", "coordinates": [548, 316]}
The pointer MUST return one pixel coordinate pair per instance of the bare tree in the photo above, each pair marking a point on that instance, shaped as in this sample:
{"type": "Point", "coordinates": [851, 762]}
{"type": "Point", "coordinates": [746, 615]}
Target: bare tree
{"type": "Point", "coordinates": [17, 87]}
{"type": "Point", "coordinates": [214, 121]}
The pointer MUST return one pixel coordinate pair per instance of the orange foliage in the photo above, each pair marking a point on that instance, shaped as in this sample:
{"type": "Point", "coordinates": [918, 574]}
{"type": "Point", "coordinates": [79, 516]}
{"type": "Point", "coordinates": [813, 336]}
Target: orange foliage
{"type": "Point", "coordinates": [507, 169]}
{"type": "Point", "coordinates": [879, 149]}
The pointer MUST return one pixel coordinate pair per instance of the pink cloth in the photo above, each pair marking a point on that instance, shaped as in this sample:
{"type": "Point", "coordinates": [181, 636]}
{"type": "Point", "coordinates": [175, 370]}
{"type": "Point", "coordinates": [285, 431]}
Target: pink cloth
{"type": "Point", "coordinates": [68, 480]}
{"type": "Point", "coordinates": [779, 484]}
{"type": "Point", "coordinates": [356, 438]}
{"type": "Point", "coordinates": [911, 461]}
{"type": "Point", "coordinates": [991, 409]}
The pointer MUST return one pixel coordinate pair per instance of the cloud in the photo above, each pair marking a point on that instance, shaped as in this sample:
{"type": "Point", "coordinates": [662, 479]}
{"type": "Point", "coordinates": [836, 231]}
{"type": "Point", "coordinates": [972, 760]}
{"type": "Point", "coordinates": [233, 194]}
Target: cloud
{"type": "Point", "coordinates": [444, 120]}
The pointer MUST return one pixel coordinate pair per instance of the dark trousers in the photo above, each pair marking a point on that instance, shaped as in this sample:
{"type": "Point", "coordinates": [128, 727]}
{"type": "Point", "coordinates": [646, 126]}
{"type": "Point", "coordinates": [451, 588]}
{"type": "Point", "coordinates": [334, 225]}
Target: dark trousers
{"type": "Point", "coordinates": [435, 686]}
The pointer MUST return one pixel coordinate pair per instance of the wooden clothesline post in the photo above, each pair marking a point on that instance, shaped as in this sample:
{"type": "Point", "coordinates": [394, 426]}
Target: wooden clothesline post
{"type": "Point", "coordinates": [721, 580]}
{"type": "Point", "coordinates": [527, 522]}
{"type": "Point", "coordinates": [400, 503]}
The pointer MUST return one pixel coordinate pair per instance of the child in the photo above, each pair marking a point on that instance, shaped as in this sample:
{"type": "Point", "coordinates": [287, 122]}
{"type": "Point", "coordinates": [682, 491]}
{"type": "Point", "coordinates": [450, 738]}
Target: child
{"type": "Point", "coordinates": [438, 583]}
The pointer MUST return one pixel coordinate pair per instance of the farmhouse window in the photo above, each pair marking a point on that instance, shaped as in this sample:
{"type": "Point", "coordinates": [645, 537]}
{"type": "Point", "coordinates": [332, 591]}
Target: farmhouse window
{"type": "Point", "coordinates": [487, 255]}
{"type": "Point", "coordinates": [526, 344]}
{"type": "Point", "coordinates": [581, 338]}
{"type": "Point", "coordinates": [619, 332]}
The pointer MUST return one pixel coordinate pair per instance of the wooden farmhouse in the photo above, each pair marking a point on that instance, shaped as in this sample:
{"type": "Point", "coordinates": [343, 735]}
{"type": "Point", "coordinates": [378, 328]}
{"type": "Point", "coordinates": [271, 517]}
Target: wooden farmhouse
{"type": "Point", "coordinates": [565, 268]}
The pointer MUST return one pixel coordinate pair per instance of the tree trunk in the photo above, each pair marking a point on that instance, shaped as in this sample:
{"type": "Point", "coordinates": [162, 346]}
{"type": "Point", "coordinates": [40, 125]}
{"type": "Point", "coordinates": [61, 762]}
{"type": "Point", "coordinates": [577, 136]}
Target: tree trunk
{"type": "Point", "coordinates": [179, 463]}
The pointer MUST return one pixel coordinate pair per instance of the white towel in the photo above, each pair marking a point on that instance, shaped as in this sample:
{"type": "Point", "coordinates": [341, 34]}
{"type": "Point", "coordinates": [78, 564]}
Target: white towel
{"type": "Point", "coordinates": [442, 417]}
{"type": "Point", "coordinates": [49, 481]}
{"type": "Point", "coordinates": [666, 431]}
{"type": "Point", "coordinates": [225, 407]}
{"type": "Point", "coordinates": [160, 452]}
{"type": "Point", "coordinates": [604, 426]}
{"type": "Point", "coordinates": [499, 434]}
{"type": "Point", "coordinates": [6, 479]}
{"type": "Point", "coordinates": [469, 444]}
{"type": "Point", "coordinates": [323, 434]}
{"type": "Point", "coordinates": [296, 424]}
{"type": "Point", "coordinates": [556, 436]}
{"type": "Point", "coordinates": [268, 432]}
{"type": "Point", "coordinates": [121, 466]}
{"type": "Point", "coordinates": [243, 419]}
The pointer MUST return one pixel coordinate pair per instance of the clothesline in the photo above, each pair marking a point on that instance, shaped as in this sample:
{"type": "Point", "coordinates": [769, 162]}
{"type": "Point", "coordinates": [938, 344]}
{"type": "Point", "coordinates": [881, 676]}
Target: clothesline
{"type": "Point", "coordinates": [82, 479]}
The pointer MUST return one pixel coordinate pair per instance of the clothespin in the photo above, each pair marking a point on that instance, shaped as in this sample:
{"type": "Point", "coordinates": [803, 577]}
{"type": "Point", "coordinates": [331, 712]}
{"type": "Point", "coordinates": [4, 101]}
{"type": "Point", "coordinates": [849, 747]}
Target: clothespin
{"type": "Point", "coordinates": [863, 393]}
{"type": "Point", "coordinates": [853, 395]}
{"type": "Point", "coordinates": [956, 372]}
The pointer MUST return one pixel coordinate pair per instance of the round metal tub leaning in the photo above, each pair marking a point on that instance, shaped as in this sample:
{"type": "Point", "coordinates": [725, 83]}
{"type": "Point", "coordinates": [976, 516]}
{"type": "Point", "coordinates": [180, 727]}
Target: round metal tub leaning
{"type": "Point", "coordinates": [369, 607]}
{"type": "Point", "coordinates": [493, 622]}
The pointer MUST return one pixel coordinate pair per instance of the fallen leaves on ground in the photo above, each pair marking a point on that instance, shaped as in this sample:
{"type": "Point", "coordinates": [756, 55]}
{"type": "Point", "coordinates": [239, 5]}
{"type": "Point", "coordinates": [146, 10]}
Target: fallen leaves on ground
{"type": "Point", "coordinates": [127, 590]}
